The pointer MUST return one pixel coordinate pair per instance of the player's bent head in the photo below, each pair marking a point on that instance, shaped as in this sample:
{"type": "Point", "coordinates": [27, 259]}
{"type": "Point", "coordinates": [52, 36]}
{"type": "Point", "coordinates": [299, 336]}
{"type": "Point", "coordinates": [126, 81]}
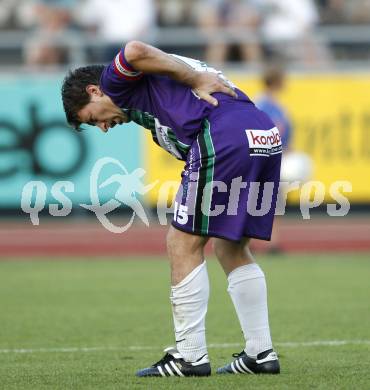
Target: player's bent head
{"type": "Point", "coordinates": [75, 95]}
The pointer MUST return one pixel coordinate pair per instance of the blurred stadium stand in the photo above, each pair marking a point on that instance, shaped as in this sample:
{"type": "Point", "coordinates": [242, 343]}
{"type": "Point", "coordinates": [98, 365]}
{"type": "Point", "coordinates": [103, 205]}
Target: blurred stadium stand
{"type": "Point", "coordinates": [303, 33]}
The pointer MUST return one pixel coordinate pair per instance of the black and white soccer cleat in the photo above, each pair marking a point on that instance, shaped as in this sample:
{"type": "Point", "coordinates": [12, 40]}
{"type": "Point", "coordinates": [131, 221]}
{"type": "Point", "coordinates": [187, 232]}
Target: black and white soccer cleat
{"type": "Point", "coordinates": [172, 364]}
{"type": "Point", "coordinates": [266, 363]}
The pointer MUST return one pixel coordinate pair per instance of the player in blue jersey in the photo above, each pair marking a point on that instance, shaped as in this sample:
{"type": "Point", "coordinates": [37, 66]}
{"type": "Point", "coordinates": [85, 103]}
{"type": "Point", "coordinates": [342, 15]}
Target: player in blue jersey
{"type": "Point", "coordinates": [228, 145]}
{"type": "Point", "coordinates": [274, 83]}
{"type": "Point", "coordinates": [268, 102]}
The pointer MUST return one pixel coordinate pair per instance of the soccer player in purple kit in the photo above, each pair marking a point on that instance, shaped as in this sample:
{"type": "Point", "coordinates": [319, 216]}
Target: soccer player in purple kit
{"type": "Point", "coordinates": [198, 116]}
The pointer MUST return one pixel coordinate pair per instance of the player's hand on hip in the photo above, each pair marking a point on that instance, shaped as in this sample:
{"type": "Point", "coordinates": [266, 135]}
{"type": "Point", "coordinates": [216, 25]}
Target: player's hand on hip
{"type": "Point", "coordinates": [207, 83]}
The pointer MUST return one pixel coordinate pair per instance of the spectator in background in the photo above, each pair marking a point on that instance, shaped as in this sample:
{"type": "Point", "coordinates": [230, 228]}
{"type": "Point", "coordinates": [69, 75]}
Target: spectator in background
{"type": "Point", "coordinates": [359, 11]}
{"type": "Point", "coordinates": [17, 14]}
{"type": "Point", "coordinates": [236, 15]}
{"type": "Point", "coordinates": [345, 12]}
{"type": "Point", "coordinates": [333, 12]}
{"type": "Point", "coordinates": [53, 18]}
{"type": "Point", "coordinates": [6, 10]}
{"type": "Point", "coordinates": [118, 21]}
{"type": "Point", "coordinates": [288, 28]}
{"type": "Point", "coordinates": [176, 13]}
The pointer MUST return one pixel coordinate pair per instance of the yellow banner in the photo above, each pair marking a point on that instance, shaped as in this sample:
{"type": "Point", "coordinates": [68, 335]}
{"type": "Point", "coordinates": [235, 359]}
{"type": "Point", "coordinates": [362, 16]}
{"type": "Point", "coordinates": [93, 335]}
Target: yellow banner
{"type": "Point", "coordinates": [331, 123]}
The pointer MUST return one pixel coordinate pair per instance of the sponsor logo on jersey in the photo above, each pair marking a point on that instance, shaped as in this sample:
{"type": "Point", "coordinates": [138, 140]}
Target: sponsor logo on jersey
{"type": "Point", "coordinates": [264, 142]}
{"type": "Point", "coordinates": [164, 140]}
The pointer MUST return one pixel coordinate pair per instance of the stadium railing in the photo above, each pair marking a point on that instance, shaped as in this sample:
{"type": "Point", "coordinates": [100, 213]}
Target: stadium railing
{"type": "Point", "coordinates": [13, 43]}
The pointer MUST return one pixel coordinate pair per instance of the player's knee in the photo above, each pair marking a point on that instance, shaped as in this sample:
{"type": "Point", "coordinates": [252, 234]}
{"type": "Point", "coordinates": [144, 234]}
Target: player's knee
{"type": "Point", "coordinates": [225, 250]}
{"type": "Point", "coordinates": [221, 248]}
{"type": "Point", "coordinates": [181, 244]}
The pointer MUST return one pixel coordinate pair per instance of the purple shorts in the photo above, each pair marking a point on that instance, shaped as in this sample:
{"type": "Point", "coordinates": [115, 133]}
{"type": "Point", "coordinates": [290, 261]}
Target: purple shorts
{"type": "Point", "coordinates": [231, 178]}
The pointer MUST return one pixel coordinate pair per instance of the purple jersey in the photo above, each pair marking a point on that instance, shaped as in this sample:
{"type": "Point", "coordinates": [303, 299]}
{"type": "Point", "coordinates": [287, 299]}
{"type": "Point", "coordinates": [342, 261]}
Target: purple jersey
{"type": "Point", "coordinates": [170, 110]}
{"type": "Point", "coordinates": [222, 144]}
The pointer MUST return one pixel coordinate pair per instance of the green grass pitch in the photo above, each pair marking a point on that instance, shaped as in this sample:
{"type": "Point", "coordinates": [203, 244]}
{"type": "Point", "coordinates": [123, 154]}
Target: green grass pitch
{"type": "Point", "coordinates": [52, 310]}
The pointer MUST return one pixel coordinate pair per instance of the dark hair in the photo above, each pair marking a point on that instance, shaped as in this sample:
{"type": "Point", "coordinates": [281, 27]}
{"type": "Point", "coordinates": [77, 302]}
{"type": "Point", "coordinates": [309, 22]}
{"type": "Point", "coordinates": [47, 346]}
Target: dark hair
{"type": "Point", "coordinates": [74, 94]}
{"type": "Point", "coordinates": [273, 76]}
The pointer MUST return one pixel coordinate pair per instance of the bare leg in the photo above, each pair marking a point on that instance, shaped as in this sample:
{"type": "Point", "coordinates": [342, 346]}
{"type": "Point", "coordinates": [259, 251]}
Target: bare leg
{"type": "Point", "coordinates": [251, 52]}
{"type": "Point", "coordinates": [185, 252]}
{"type": "Point", "coordinates": [216, 53]}
{"type": "Point", "coordinates": [232, 255]}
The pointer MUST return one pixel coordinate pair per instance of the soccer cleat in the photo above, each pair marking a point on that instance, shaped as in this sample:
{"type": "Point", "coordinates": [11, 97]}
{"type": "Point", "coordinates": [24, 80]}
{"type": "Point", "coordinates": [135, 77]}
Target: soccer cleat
{"type": "Point", "coordinates": [266, 363]}
{"type": "Point", "coordinates": [173, 364]}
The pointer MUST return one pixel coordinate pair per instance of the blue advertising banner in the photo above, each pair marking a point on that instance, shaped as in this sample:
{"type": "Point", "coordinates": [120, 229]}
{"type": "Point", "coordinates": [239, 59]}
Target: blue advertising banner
{"type": "Point", "coordinates": [37, 145]}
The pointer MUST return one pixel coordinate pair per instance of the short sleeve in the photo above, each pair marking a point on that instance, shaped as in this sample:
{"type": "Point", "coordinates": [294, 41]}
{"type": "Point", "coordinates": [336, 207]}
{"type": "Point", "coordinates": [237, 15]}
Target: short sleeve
{"type": "Point", "coordinates": [123, 69]}
{"type": "Point", "coordinates": [119, 74]}
{"type": "Point", "coordinates": [119, 78]}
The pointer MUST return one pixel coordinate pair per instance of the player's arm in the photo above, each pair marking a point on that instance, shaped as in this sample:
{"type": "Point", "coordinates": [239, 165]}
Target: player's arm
{"type": "Point", "coordinates": [148, 59]}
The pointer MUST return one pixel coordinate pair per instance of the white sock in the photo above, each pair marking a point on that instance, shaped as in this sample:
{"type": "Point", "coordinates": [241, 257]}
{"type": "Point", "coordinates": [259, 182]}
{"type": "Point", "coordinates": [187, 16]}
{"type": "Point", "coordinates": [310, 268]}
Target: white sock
{"type": "Point", "coordinates": [247, 288]}
{"type": "Point", "coordinates": [189, 301]}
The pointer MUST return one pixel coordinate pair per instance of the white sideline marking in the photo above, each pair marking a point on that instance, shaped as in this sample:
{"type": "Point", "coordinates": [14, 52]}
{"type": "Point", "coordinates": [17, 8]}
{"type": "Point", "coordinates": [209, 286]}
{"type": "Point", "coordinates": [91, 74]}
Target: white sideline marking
{"type": "Point", "coordinates": [295, 344]}
{"type": "Point", "coordinates": [288, 344]}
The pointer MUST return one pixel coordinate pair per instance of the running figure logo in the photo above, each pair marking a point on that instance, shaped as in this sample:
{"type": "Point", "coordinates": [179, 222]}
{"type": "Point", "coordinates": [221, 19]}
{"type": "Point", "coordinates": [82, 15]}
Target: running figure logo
{"type": "Point", "coordinates": [130, 184]}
